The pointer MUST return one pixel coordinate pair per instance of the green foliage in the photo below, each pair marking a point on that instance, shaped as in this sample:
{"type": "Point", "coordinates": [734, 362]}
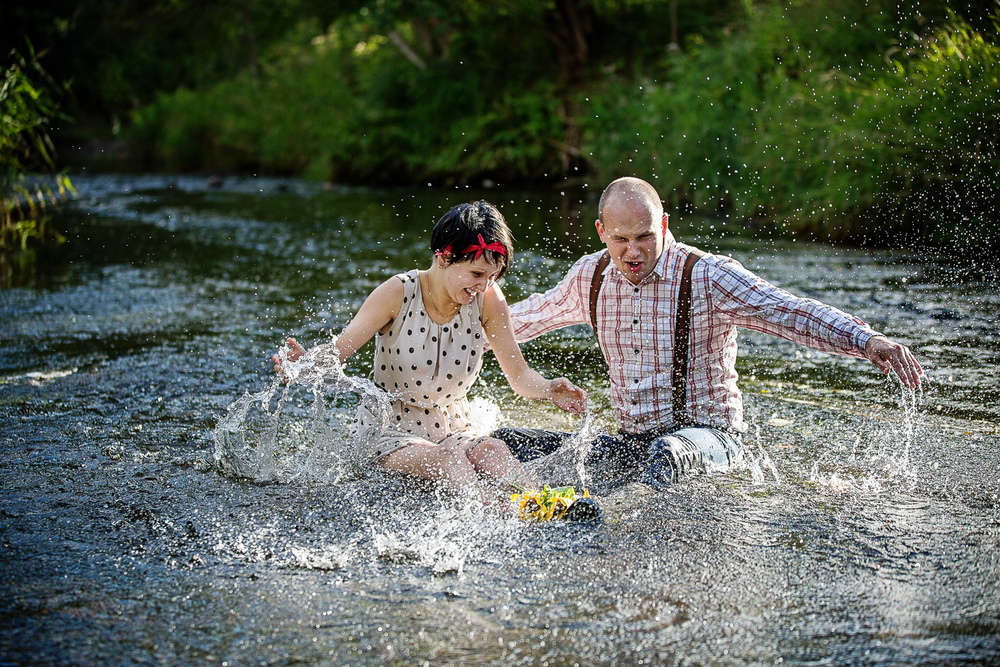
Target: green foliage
{"type": "Point", "coordinates": [122, 53]}
{"type": "Point", "coordinates": [930, 156]}
{"type": "Point", "coordinates": [26, 109]}
{"type": "Point", "coordinates": [845, 119]}
{"type": "Point", "coordinates": [348, 105]}
{"type": "Point", "coordinates": [765, 125]}
{"type": "Point", "coordinates": [277, 120]}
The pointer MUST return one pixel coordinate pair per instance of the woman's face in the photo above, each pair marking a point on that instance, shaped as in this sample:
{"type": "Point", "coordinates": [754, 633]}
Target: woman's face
{"type": "Point", "coordinates": [464, 281]}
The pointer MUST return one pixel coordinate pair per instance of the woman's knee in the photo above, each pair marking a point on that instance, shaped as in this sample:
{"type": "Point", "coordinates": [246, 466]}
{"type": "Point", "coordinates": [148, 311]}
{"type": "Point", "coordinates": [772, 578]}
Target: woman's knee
{"type": "Point", "coordinates": [488, 450]}
{"type": "Point", "coordinates": [432, 462]}
{"type": "Point", "coordinates": [452, 462]}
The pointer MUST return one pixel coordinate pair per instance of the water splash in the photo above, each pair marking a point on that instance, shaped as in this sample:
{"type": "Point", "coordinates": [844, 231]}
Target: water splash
{"type": "Point", "coordinates": [446, 535]}
{"type": "Point", "coordinates": [268, 436]}
{"type": "Point", "coordinates": [306, 426]}
{"type": "Point", "coordinates": [882, 461]}
{"type": "Point", "coordinates": [329, 557]}
{"type": "Point", "coordinates": [759, 463]}
{"type": "Point", "coordinates": [756, 459]}
{"type": "Point", "coordinates": [566, 465]}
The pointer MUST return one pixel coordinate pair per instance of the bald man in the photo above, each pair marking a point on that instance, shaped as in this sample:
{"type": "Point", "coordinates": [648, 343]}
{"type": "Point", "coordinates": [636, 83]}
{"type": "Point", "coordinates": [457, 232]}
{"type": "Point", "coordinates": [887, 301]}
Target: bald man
{"type": "Point", "coordinates": [666, 316]}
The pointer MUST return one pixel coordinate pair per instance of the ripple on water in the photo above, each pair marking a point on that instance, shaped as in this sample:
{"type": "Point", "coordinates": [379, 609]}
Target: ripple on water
{"type": "Point", "coordinates": [864, 528]}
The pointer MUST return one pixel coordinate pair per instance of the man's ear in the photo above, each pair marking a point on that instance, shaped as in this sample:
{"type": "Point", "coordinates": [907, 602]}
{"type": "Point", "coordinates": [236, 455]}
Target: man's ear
{"type": "Point", "coordinates": [600, 230]}
{"type": "Point", "coordinates": [666, 221]}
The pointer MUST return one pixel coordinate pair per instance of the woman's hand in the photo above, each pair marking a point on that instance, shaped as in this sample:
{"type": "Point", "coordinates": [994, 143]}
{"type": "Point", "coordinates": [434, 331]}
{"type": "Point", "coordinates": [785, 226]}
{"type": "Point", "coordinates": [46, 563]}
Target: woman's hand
{"type": "Point", "coordinates": [295, 352]}
{"type": "Point", "coordinates": [566, 395]}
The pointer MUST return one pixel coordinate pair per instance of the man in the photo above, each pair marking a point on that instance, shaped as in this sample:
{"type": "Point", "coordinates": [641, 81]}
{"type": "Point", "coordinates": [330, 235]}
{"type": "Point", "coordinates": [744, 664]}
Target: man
{"type": "Point", "coordinates": [678, 405]}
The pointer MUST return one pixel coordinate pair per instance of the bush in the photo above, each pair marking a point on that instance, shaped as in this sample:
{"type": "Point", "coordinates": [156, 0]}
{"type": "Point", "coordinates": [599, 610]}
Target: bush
{"type": "Point", "coordinates": [928, 154]}
{"type": "Point", "coordinates": [762, 126]}
{"type": "Point", "coordinates": [795, 115]}
{"type": "Point", "coordinates": [347, 106]}
{"type": "Point", "coordinates": [289, 119]}
{"type": "Point", "coordinates": [27, 109]}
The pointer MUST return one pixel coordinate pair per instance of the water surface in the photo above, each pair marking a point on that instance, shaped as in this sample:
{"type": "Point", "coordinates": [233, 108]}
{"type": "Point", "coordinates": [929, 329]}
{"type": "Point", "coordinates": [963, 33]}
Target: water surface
{"type": "Point", "coordinates": [865, 531]}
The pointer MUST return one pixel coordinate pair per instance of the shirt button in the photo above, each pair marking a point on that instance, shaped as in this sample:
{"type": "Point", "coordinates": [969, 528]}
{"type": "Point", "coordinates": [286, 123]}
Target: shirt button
{"type": "Point", "coordinates": [636, 290]}
{"type": "Point", "coordinates": [637, 351]}
{"type": "Point", "coordinates": [635, 321]}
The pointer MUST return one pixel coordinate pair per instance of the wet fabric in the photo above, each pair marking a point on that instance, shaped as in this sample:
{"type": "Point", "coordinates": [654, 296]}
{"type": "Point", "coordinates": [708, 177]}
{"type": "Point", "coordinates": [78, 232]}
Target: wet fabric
{"type": "Point", "coordinates": [428, 369]}
{"type": "Point", "coordinates": [659, 458]}
{"type": "Point", "coordinates": [637, 332]}
{"type": "Point", "coordinates": [689, 450]}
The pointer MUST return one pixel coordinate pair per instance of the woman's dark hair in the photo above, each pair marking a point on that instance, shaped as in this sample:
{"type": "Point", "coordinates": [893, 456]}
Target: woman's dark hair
{"type": "Point", "coordinates": [462, 226]}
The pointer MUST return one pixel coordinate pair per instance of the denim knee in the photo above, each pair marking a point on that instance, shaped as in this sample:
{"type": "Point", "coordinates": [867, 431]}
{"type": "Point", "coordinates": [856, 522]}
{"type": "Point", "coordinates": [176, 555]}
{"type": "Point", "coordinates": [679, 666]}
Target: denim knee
{"type": "Point", "coordinates": [690, 450]}
{"type": "Point", "coordinates": [665, 461]}
{"type": "Point", "coordinates": [530, 443]}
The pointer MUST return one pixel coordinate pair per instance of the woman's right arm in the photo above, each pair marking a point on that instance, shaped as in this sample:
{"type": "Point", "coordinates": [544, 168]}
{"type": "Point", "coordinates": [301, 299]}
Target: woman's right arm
{"type": "Point", "coordinates": [375, 315]}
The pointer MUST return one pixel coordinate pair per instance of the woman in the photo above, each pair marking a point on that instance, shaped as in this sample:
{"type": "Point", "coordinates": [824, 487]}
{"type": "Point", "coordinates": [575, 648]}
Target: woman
{"type": "Point", "coordinates": [431, 327]}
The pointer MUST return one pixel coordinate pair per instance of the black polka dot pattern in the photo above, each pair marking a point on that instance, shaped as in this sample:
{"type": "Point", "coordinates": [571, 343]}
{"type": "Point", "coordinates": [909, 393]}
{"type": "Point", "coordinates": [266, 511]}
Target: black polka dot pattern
{"type": "Point", "coordinates": [430, 368]}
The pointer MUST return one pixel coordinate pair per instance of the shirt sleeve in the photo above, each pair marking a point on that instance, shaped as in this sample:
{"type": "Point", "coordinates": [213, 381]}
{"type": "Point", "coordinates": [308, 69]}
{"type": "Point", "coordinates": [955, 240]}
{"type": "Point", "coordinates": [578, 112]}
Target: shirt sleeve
{"type": "Point", "coordinates": [753, 303]}
{"type": "Point", "coordinates": [562, 306]}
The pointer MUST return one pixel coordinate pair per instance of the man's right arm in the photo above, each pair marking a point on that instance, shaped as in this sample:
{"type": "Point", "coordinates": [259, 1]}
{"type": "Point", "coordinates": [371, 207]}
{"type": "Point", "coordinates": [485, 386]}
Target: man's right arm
{"type": "Point", "coordinates": [562, 306]}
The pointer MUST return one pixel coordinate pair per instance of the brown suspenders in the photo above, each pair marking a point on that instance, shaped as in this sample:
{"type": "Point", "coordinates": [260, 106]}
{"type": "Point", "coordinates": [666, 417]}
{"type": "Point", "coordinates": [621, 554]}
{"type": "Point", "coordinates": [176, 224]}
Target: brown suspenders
{"type": "Point", "coordinates": [595, 289]}
{"type": "Point", "coordinates": [682, 338]}
{"type": "Point", "coordinates": [682, 330]}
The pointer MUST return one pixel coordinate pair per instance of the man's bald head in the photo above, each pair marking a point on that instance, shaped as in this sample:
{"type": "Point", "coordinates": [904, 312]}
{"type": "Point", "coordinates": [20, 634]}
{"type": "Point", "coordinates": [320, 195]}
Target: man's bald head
{"type": "Point", "coordinates": [633, 226]}
{"type": "Point", "coordinates": [632, 193]}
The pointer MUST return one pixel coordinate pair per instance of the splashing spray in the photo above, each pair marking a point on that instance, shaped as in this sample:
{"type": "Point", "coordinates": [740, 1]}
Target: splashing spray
{"type": "Point", "coordinates": [566, 464]}
{"type": "Point", "coordinates": [262, 440]}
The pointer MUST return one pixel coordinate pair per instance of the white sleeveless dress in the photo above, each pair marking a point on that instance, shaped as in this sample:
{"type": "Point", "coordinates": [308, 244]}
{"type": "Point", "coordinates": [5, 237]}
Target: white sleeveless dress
{"type": "Point", "coordinates": [428, 369]}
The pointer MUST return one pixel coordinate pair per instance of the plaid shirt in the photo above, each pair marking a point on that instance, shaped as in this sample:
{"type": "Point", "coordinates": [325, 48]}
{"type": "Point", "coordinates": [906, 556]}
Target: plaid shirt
{"type": "Point", "coordinates": [637, 332]}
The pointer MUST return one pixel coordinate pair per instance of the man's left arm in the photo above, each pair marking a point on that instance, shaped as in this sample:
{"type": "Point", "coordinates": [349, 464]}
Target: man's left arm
{"type": "Point", "coordinates": [889, 356]}
{"type": "Point", "coordinates": [753, 303]}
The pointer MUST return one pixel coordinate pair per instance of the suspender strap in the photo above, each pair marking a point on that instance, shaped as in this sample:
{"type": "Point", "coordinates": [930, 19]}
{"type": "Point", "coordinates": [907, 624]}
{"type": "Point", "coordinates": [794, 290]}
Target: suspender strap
{"type": "Point", "coordinates": [595, 290]}
{"type": "Point", "coordinates": [682, 330]}
{"type": "Point", "coordinates": [682, 338]}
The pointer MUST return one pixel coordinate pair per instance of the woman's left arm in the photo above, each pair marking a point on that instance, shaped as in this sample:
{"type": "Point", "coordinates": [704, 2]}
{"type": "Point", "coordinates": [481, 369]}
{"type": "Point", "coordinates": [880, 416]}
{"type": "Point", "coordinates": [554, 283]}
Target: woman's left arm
{"type": "Point", "coordinates": [524, 380]}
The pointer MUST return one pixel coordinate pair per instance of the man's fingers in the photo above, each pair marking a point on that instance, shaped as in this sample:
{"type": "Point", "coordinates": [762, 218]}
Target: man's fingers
{"type": "Point", "coordinates": [895, 357]}
{"type": "Point", "coordinates": [901, 360]}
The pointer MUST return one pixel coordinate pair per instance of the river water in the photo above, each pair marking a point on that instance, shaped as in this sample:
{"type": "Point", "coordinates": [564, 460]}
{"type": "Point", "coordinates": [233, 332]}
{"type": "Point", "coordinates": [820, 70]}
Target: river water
{"type": "Point", "coordinates": [864, 530]}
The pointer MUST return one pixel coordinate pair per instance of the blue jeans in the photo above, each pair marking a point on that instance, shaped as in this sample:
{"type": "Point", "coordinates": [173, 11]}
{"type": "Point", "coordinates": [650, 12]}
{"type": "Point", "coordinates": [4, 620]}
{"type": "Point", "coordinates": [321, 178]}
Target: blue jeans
{"type": "Point", "coordinates": [662, 457]}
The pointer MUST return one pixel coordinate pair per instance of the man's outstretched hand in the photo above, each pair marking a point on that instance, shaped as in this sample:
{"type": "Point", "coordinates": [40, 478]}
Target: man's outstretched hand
{"type": "Point", "coordinates": [891, 356]}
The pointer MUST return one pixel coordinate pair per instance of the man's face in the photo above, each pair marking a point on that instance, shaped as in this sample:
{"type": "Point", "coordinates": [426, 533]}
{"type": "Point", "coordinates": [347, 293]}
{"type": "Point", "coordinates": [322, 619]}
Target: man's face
{"type": "Point", "coordinates": [634, 236]}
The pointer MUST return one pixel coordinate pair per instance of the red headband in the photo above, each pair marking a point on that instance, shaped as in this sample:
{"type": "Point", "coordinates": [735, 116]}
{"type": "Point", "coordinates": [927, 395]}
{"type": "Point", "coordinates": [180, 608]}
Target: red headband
{"type": "Point", "coordinates": [495, 247]}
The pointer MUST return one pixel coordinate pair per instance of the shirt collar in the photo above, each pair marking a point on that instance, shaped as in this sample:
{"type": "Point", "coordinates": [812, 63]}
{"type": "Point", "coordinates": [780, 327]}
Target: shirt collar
{"type": "Point", "coordinates": [660, 269]}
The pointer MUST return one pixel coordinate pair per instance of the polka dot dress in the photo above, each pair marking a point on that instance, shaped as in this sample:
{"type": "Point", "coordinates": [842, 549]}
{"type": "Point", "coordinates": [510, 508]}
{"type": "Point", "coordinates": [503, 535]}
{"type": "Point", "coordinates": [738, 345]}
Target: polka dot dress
{"type": "Point", "coordinates": [428, 368]}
